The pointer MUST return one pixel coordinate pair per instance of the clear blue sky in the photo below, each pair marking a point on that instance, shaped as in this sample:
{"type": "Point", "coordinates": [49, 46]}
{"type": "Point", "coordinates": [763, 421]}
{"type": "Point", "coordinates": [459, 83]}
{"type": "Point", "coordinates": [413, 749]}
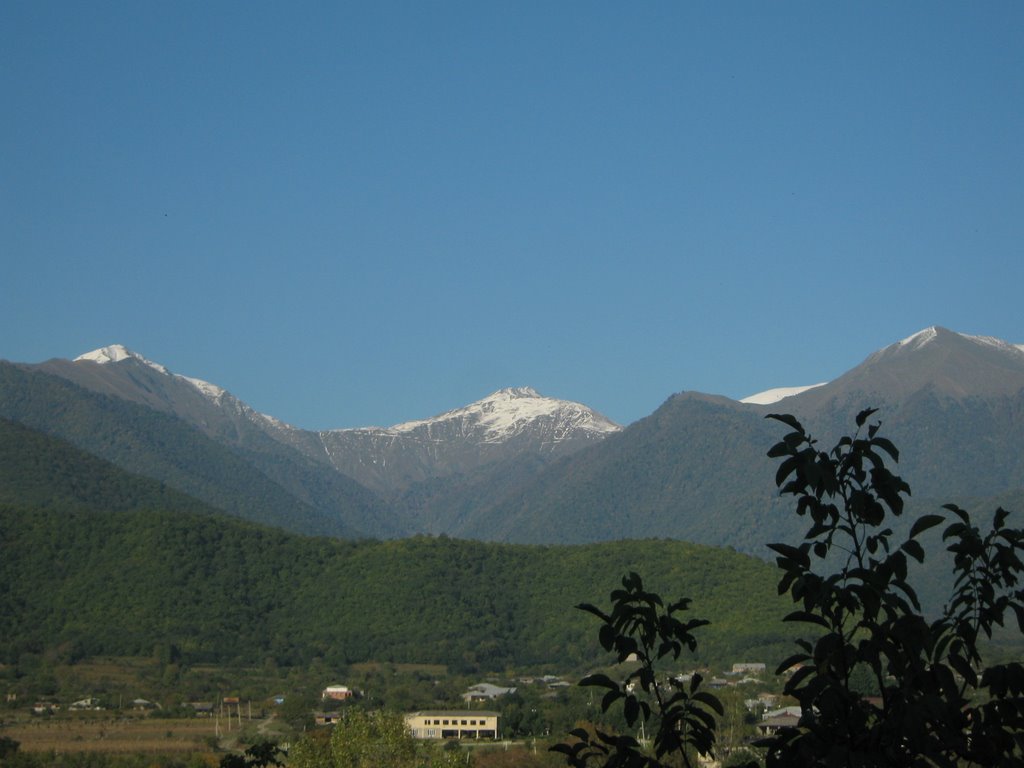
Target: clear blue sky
{"type": "Point", "coordinates": [353, 214]}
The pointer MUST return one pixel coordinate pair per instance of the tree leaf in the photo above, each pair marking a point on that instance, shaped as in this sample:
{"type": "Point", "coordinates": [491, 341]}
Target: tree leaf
{"type": "Point", "coordinates": [923, 523]}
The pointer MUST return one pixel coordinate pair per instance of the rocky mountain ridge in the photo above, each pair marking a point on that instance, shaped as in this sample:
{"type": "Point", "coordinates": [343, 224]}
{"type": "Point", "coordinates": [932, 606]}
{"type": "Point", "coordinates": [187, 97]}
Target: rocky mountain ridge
{"type": "Point", "coordinates": [506, 424]}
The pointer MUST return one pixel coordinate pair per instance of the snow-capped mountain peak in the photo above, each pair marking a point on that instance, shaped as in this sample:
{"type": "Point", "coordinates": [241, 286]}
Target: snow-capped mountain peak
{"type": "Point", "coordinates": [116, 353]}
{"type": "Point", "coordinates": [509, 411]}
{"type": "Point", "coordinates": [919, 339]}
{"type": "Point", "coordinates": [929, 336]}
{"type": "Point", "coordinates": [933, 338]}
{"type": "Point", "coordinates": [510, 422]}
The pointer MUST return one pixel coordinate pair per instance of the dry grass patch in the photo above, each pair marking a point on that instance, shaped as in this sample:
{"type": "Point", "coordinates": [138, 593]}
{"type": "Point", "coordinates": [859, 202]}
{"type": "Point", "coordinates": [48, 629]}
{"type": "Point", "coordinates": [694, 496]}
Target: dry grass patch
{"type": "Point", "coordinates": [113, 735]}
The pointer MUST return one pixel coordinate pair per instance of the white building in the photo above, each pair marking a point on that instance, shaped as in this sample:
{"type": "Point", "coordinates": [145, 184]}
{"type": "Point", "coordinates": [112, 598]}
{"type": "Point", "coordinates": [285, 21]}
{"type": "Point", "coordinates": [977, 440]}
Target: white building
{"type": "Point", "coordinates": [453, 724]}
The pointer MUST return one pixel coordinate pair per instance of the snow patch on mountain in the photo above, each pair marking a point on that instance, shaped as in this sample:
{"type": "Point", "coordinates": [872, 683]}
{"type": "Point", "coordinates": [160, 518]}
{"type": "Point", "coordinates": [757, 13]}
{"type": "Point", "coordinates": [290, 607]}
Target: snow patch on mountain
{"type": "Point", "coordinates": [919, 339]}
{"type": "Point", "coordinates": [770, 396]}
{"type": "Point", "coordinates": [999, 344]}
{"type": "Point", "coordinates": [212, 391]}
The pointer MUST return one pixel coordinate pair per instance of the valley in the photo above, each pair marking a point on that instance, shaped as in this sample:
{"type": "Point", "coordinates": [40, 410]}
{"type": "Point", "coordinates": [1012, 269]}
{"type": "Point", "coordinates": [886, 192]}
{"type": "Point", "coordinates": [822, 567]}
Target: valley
{"type": "Point", "coordinates": [159, 539]}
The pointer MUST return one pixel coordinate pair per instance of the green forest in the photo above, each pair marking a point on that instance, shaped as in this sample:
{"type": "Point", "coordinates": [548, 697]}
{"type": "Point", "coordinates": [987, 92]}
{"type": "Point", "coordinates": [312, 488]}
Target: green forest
{"type": "Point", "coordinates": [96, 561]}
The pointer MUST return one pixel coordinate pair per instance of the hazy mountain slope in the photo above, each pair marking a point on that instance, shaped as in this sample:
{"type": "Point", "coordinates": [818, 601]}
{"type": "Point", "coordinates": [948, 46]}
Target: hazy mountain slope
{"type": "Point", "coordinates": [304, 472]}
{"type": "Point", "coordinates": [157, 445]}
{"type": "Point", "coordinates": [695, 470]}
{"type": "Point", "coordinates": [452, 504]}
{"type": "Point", "coordinates": [44, 472]}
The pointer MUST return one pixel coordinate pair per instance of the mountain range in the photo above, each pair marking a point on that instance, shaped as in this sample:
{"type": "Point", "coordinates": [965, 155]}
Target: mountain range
{"type": "Point", "coordinates": [519, 467]}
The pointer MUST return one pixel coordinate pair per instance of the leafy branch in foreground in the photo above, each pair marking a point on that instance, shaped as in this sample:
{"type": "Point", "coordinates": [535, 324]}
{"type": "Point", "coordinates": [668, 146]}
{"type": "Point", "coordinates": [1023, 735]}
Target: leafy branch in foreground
{"type": "Point", "coordinates": [641, 629]}
{"type": "Point", "coordinates": [936, 704]}
{"type": "Point", "coordinates": [260, 755]}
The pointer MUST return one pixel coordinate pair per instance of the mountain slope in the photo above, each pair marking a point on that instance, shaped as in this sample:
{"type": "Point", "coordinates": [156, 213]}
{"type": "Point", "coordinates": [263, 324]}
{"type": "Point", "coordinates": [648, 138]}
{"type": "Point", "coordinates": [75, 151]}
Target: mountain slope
{"type": "Point", "coordinates": [953, 403]}
{"type": "Point", "coordinates": [157, 445]}
{"type": "Point", "coordinates": [696, 468]}
{"type": "Point", "coordinates": [949, 364]}
{"type": "Point", "coordinates": [45, 472]}
{"type": "Point", "coordinates": [519, 467]}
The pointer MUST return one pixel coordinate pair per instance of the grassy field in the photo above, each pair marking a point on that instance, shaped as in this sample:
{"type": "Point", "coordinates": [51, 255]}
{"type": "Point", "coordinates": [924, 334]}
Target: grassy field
{"type": "Point", "coordinates": [114, 735]}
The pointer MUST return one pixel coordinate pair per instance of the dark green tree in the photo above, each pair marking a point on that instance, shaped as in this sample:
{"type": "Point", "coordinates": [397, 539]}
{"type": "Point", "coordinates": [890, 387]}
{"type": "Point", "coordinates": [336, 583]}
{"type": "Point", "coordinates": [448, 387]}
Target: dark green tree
{"type": "Point", "coordinates": [8, 747]}
{"type": "Point", "coordinates": [937, 704]}
{"type": "Point", "coordinates": [260, 755]}
{"type": "Point", "coordinates": [641, 629]}
{"type": "Point", "coordinates": [376, 739]}
{"type": "Point", "coordinates": [932, 701]}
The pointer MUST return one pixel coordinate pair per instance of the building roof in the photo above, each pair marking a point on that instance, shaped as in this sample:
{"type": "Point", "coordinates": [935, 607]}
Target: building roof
{"type": "Point", "coordinates": [454, 713]}
{"type": "Point", "coordinates": [487, 690]}
{"type": "Point", "coordinates": [779, 721]}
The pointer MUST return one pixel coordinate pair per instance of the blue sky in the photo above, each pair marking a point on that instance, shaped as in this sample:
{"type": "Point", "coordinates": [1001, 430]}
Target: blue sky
{"type": "Point", "coordinates": [356, 214]}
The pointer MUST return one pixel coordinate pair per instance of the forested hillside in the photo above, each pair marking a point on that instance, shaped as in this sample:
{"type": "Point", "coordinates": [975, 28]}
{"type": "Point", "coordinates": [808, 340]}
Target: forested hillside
{"type": "Point", "coordinates": [39, 471]}
{"type": "Point", "coordinates": [221, 590]}
{"type": "Point", "coordinates": [97, 561]}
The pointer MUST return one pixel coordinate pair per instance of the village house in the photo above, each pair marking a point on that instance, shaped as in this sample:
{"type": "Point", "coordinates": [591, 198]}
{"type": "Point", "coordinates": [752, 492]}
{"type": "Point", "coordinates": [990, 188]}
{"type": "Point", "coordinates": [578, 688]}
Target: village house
{"type": "Point", "coordinates": [337, 693]}
{"type": "Point", "coordinates": [778, 720]}
{"type": "Point", "coordinates": [453, 724]}
{"type": "Point", "coordinates": [89, 703]}
{"type": "Point", "coordinates": [202, 708]}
